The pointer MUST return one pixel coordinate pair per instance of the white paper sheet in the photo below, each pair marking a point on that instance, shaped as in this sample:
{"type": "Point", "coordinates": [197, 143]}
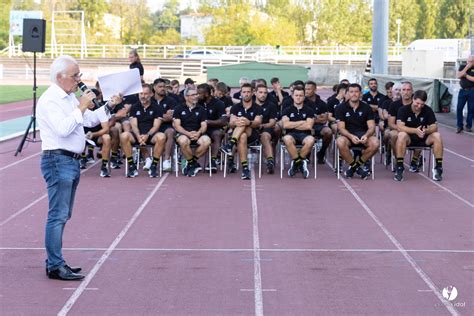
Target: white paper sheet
{"type": "Point", "coordinates": [125, 82]}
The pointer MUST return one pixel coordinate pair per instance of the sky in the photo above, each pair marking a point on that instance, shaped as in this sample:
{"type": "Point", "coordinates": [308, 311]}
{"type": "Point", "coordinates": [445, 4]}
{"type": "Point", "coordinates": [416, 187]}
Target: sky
{"type": "Point", "coordinates": [158, 4]}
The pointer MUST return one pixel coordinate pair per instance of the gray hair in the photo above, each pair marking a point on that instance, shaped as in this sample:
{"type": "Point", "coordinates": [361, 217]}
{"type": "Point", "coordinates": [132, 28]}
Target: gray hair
{"type": "Point", "coordinates": [243, 80]}
{"type": "Point", "coordinates": [186, 91]}
{"type": "Point", "coordinates": [60, 65]}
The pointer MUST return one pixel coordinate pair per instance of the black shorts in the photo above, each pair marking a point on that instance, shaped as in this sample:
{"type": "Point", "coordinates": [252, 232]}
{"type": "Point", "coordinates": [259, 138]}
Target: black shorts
{"type": "Point", "coordinates": [317, 130]}
{"type": "Point", "coordinates": [270, 131]}
{"type": "Point", "coordinates": [211, 130]}
{"type": "Point", "coordinates": [358, 134]}
{"type": "Point", "coordinates": [299, 137]}
{"type": "Point", "coordinates": [148, 141]}
{"type": "Point", "coordinates": [254, 137]}
{"type": "Point", "coordinates": [164, 127]}
{"type": "Point", "coordinates": [416, 141]}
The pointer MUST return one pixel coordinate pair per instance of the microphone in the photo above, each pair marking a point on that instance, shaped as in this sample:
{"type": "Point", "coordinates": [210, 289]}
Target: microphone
{"type": "Point", "coordinates": [83, 88]}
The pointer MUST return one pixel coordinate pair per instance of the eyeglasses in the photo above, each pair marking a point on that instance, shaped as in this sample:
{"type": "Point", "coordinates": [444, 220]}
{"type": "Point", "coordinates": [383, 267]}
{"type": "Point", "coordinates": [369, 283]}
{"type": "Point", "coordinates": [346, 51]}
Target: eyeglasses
{"type": "Point", "coordinates": [76, 76]}
{"type": "Point", "coordinates": [192, 95]}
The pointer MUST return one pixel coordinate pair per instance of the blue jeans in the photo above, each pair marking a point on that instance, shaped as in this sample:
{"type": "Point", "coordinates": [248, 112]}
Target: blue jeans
{"type": "Point", "coordinates": [463, 97]}
{"type": "Point", "coordinates": [61, 174]}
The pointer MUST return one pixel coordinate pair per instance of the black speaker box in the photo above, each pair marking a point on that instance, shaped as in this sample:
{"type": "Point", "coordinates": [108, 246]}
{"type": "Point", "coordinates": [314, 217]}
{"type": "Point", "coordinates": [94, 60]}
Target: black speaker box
{"type": "Point", "coordinates": [34, 35]}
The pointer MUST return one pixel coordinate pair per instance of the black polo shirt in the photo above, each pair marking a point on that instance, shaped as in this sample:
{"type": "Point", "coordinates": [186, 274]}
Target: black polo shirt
{"type": "Point", "coordinates": [190, 118]}
{"type": "Point", "coordinates": [166, 104]}
{"type": "Point", "coordinates": [237, 95]}
{"type": "Point", "coordinates": [394, 107]}
{"type": "Point", "coordinates": [386, 104]}
{"type": "Point", "coordinates": [319, 106]}
{"type": "Point", "coordinates": [466, 84]}
{"type": "Point", "coordinates": [355, 119]}
{"type": "Point", "coordinates": [269, 111]}
{"type": "Point", "coordinates": [373, 100]}
{"type": "Point", "coordinates": [145, 117]}
{"type": "Point", "coordinates": [227, 101]}
{"type": "Point", "coordinates": [294, 115]}
{"type": "Point", "coordinates": [287, 101]}
{"type": "Point", "coordinates": [250, 113]}
{"type": "Point", "coordinates": [138, 65]}
{"type": "Point", "coordinates": [275, 96]}
{"type": "Point", "coordinates": [332, 104]}
{"type": "Point", "coordinates": [425, 118]}
{"type": "Point", "coordinates": [215, 109]}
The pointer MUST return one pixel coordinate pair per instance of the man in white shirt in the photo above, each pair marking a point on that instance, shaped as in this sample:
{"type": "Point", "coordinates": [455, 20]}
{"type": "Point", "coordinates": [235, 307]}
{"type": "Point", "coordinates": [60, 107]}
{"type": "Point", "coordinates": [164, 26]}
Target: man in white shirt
{"type": "Point", "coordinates": [61, 119]}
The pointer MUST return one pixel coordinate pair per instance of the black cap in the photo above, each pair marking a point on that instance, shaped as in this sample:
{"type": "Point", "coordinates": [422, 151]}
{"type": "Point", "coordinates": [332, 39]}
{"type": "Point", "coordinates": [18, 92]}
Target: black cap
{"type": "Point", "coordinates": [189, 81]}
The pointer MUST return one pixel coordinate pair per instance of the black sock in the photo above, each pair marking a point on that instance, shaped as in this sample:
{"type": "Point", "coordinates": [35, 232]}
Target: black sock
{"type": "Point", "coordinates": [90, 150]}
{"type": "Point", "coordinates": [130, 160]}
{"type": "Point", "coordinates": [354, 164]}
{"type": "Point", "coordinates": [360, 162]}
{"type": "Point", "coordinates": [399, 162]}
{"type": "Point", "coordinates": [114, 155]}
{"type": "Point", "coordinates": [104, 162]}
{"type": "Point", "coordinates": [439, 162]}
{"type": "Point", "coordinates": [155, 161]}
{"type": "Point", "coordinates": [233, 141]}
{"type": "Point", "coordinates": [270, 159]}
{"type": "Point", "coordinates": [245, 164]}
{"type": "Point", "coordinates": [414, 160]}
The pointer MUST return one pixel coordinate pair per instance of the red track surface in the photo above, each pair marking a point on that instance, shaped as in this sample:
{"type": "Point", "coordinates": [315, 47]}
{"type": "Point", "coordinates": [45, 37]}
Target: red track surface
{"type": "Point", "coordinates": [15, 110]}
{"type": "Point", "coordinates": [208, 246]}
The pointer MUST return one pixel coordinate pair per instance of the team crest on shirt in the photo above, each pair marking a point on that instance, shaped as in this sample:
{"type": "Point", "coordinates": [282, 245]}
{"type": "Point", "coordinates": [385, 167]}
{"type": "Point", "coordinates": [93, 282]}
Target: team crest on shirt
{"type": "Point", "coordinates": [139, 113]}
{"type": "Point", "coordinates": [251, 113]}
{"type": "Point", "coordinates": [360, 113]}
{"type": "Point", "coordinates": [421, 119]}
{"type": "Point", "coordinates": [197, 113]}
{"type": "Point", "coordinates": [151, 112]}
{"type": "Point", "coordinates": [304, 115]}
{"type": "Point", "coordinates": [409, 119]}
{"type": "Point", "coordinates": [292, 115]}
{"type": "Point", "coordinates": [239, 114]}
{"type": "Point", "coordinates": [369, 99]}
{"type": "Point", "coordinates": [210, 111]}
{"type": "Point", "coordinates": [183, 113]}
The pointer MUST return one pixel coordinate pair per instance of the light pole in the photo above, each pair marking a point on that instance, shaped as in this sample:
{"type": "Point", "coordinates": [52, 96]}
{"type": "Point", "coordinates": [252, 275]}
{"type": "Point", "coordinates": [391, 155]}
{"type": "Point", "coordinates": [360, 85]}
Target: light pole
{"type": "Point", "coordinates": [398, 21]}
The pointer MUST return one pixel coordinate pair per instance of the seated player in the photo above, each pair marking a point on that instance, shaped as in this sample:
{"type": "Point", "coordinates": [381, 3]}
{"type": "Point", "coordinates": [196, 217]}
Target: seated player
{"type": "Point", "coordinates": [216, 121]}
{"type": "Point", "coordinates": [356, 126]}
{"type": "Point", "coordinates": [245, 120]}
{"type": "Point", "coordinates": [321, 130]}
{"type": "Point", "coordinates": [298, 121]}
{"type": "Point", "coordinates": [166, 105]}
{"type": "Point", "coordinates": [417, 127]}
{"type": "Point", "coordinates": [333, 102]}
{"type": "Point", "coordinates": [267, 128]}
{"type": "Point", "coordinates": [189, 121]}
{"type": "Point", "coordinates": [145, 123]}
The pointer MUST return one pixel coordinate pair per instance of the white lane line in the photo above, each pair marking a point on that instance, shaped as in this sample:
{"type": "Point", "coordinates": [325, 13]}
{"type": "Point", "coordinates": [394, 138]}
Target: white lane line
{"type": "Point", "coordinates": [264, 290]}
{"type": "Point", "coordinates": [74, 288]}
{"type": "Point", "coordinates": [399, 246]}
{"type": "Point", "coordinates": [242, 250]}
{"type": "Point", "coordinates": [36, 201]}
{"type": "Point", "coordinates": [77, 293]}
{"type": "Point", "coordinates": [459, 155]}
{"type": "Point", "coordinates": [19, 161]}
{"type": "Point", "coordinates": [421, 174]}
{"type": "Point", "coordinates": [257, 271]}
{"type": "Point", "coordinates": [454, 128]}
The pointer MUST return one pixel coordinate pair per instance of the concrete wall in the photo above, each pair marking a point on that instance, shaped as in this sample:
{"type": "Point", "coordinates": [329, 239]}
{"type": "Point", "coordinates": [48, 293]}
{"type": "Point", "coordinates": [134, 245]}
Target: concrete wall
{"type": "Point", "coordinates": [329, 75]}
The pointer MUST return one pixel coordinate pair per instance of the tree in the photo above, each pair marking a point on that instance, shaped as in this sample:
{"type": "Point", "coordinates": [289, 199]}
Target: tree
{"type": "Point", "coordinates": [428, 15]}
{"type": "Point", "coordinates": [454, 18]}
{"type": "Point", "coordinates": [5, 27]}
{"type": "Point", "coordinates": [408, 12]}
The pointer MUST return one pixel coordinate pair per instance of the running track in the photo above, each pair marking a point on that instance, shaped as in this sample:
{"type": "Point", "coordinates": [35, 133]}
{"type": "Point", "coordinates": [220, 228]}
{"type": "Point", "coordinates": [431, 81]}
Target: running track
{"type": "Point", "coordinates": [214, 246]}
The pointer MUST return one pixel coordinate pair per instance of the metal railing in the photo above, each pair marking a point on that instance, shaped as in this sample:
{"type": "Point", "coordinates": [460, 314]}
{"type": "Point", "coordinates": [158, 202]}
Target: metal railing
{"type": "Point", "coordinates": [209, 52]}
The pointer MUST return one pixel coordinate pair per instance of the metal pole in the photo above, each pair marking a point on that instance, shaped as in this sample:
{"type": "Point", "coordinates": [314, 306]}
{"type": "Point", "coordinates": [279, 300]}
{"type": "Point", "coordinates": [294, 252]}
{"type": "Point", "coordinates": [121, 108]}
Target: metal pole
{"type": "Point", "coordinates": [380, 37]}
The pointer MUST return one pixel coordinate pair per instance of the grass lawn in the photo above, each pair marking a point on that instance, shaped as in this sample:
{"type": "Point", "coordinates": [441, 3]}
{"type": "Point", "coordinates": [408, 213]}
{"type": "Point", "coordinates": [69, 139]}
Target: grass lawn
{"type": "Point", "coordinates": [10, 94]}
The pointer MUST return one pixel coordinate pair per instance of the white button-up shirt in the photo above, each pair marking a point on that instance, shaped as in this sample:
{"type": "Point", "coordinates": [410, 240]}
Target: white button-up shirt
{"type": "Point", "coordinates": [61, 122]}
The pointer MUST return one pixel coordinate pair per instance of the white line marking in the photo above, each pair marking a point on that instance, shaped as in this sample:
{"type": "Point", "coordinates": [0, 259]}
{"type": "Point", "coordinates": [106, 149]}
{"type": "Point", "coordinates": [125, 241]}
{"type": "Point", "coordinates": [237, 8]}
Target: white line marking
{"type": "Point", "coordinates": [19, 161]}
{"type": "Point", "coordinates": [257, 273]}
{"type": "Point", "coordinates": [454, 128]}
{"type": "Point", "coordinates": [36, 201]}
{"type": "Point", "coordinates": [264, 290]}
{"type": "Point", "coordinates": [74, 297]}
{"type": "Point", "coordinates": [397, 244]}
{"type": "Point", "coordinates": [87, 289]}
{"type": "Point", "coordinates": [424, 290]}
{"type": "Point", "coordinates": [15, 135]}
{"type": "Point", "coordinates": [421, 174]}
{"type": "Point", "coordinates": [242, 250]}
{"type": "Point", "coordinates": [459, 155]}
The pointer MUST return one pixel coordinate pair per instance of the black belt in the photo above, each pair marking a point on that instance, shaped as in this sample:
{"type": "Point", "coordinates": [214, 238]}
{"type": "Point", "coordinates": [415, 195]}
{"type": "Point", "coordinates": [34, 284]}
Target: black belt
{"type": "Point", "coordinates": [62, 152]}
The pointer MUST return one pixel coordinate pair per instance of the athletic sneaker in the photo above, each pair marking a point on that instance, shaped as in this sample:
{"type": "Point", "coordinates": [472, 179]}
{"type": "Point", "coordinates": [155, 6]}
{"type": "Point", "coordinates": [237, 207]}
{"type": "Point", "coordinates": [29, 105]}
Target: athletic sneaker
{"type": "Point", "coordinates": [90, 159]}
{"type": "Point", "coordinates": [414, 167]}
{"type": "Point", "coordinates": [349, 173]}
{"type": "Point", "coordinates": [132, 171]}
{"type": "Point", "coordinates": [231, 166]}
{"type": "Point", "coordinates": [293, 170]}
{"type": "Point", "coordinates": [367, 167]}
{"type": "Point", "coordinates": [197, 166]}
{"type": "Point", "coordinates": [364, 174]}
{"type": "Point", "coordinates": [152, 172]}
{"type": "Point", "coordinates": [437, 174]}
{"type": "Point", "coordinates": [185, 167]}
{"type": "Point", "coordinates": [104, 172]}
{"type": "Point", "coordinates": [227, 148]}
{"type": "Point", "coordinates": [212, 166]}
{"type": "Point", "coordinates": [270, 167]}
{"type": "Point", "coordinates": [398, 174]}
{"type": "Point", "coordinates": [114, 163]}
{"type": "Point", "coordinates": [167, 165]}
{"type": "Point", "coordinates": [304, 168]}
{"type": "Point", "coordinates": [147, 165]}
{"type": "Point", "coordinates": [245, 174]}
{"type": "Point", "coordinates": [194, 169]}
